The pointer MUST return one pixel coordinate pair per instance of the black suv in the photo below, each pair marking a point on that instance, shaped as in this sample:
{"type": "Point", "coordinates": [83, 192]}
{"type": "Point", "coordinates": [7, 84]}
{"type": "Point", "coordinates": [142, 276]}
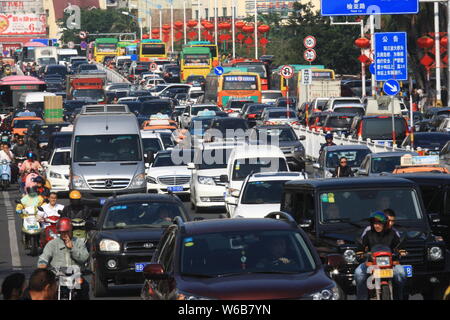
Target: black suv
{"type": "Point", "coordinates": [240, 259]}
{"type": "Point", "coordinates": [126, 234]}
{"type": "Point", "coordinates": [334, 213]}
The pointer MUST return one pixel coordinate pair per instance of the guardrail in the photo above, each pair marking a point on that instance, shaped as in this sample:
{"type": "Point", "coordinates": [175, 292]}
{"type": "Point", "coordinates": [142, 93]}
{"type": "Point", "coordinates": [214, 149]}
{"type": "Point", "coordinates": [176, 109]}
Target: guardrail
{"type": "Point", "coordinates": [315, 139]}
{"type": "Point", "coordinates": [112, 75]}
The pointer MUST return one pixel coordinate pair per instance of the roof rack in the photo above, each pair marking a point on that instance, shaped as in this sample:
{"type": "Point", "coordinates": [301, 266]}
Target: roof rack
{"type": "Point", "coordinates": [280, 215]}
{"type": "Point", "coordinates": [105, 109]}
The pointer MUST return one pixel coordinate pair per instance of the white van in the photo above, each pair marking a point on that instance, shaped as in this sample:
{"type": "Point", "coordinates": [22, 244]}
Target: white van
{"type": "Point", "coordinates": [44, 56]}
{"type": "Point", "coordinates": [383, 105]}
{"type": "Point", "coordinates": [64, 55]}
{"type": "Point", "coordinates": [246, 160]}
{"type": "Point", "coordinates": [34, 100]}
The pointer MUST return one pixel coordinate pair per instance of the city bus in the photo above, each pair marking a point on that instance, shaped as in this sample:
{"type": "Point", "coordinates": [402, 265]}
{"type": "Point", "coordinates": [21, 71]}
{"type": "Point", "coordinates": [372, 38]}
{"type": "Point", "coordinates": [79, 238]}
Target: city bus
{"type": "Point", "coordinates": [254, 65]}
{"type": "Point", "coordinates": [212, 48]}
{"type": "Point", "coordinates": [195, 61]}
{"type": "Point", "coordinates": [238, 86]}
{"type": "Point", "coordinates": [149, 49]}
{"type": "Point", "coordinates": [212, 83]}
{"type": "Point", "coordinates": [105, 47]}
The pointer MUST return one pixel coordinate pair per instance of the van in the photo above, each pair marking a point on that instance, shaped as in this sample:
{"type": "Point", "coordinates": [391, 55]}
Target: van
{"type": "Point", "coordinates": [378, 128]}
{"type": "Point", "coordinates": [45, 55]}
{"type": "Point", "coordinates": [107, 152]}
{"type": "Point", "coordinates": [64, 55]}
{"type": "Point", "coordinates": [34, 101]}
{"type": "Point", "coordinates": [248, 159]}
{"type": "Point", "coordinates": [383, 105]}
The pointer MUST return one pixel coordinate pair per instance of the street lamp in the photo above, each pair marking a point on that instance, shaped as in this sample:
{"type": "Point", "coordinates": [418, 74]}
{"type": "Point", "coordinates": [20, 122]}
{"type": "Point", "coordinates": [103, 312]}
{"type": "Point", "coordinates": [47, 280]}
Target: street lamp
{"type": "Point", "coordinates": [125, 13]}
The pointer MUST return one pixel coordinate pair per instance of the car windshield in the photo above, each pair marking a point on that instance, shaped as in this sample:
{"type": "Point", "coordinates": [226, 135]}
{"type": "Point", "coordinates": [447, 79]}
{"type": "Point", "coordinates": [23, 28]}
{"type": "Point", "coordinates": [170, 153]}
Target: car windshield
{"type": "Point", "coordinates": [166, 138]}
{"type": "Point", "coordinates": [152, 108]}
{"type": "Point", "coordinates": [256, 108]}
{"type": "Point", "coordinates": [212, 159]}
{"type": "Point", "coordinates": [357, 205]}
{"type": "Point", "coordinates": [230, 124]}
{"type": "Point", "coordinates": [61, 159]}
{"type": "Point", "coordinates": [277, 134]}
{"type": "Point", "coordinates": [282, 103]}
{"type": "Point", "coordinates": [158, 88]}
{"type": "Point", "coordinates": [61, 141]}
{"type": "Point", "coordinates": [174, 158]}
{"type": "Point", "coordinates": [107, 148]}
{"type": "Point", "coordinates": [243, 167]}
{"type": "Point", "coordinates": [321, 104]}
{"type": "Point", "coordinates": [385, 164]}
{"type": "Point", "coordinates": [65, 57]}
{"type": "Point", "coordinates": [271, 95]}
{"type": "Point", "coordinates": [354, 157]}
{"type": "Point", "coordinates": [93, 94]}
{"type": "Point", "coordinates": [263, 192]}
{"type": "Point", "coordinates": [151, 145]}
{"type": "Point", "coordinates": [281, 115]}
{"type": "Point", "coordinates": [356, 110]}
{"type": "Point", "coordinates": [46, 61]}
{"type": "Point", "coordinates": [198, 126]}
{"type": "Point", "coordinates": [196, 110]}
{"type": "Point", "coordinates": [141, 215]}
{"type": "Point", "coordinates": [237, 104]}
{"type": "Point", "coordinates": [381, 128]}
{"type": "Point", "coordinates": [25, 123]}
{"type": "Point", "coordinates": [340, 102]}
{"type": "Point", "coordinates": [431, 141]}
{"type": "Point", "coordinates": [247, 251]}
{"type": "Point", "coordinates": [339, 122]}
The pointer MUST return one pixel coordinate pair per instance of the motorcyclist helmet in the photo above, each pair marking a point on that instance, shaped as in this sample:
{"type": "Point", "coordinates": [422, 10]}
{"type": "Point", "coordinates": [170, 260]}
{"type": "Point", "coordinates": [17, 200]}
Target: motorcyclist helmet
{"type": "Point", "coordinates": [329, 136]}
{"type": "Point", "coordinates": [75, 195]}
{"type": "Point", "coordinates": [64, 224]}
{"type": "Point", "coordinates": [378, 217]}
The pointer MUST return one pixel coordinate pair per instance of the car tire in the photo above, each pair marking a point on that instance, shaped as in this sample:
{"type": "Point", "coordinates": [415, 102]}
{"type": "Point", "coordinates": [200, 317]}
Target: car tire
{"type": "Point", "coordinates": [99, 286]}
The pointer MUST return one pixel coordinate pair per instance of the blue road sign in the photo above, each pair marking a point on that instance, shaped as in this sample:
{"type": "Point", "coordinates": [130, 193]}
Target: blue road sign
{"type": "Point", "coordinates": [134, 57]}
{"type": "Point", "coordinates": [83, 44]}
{"type": "Point", "coordinates": [391, 56]}
{"type": "Point", "coordinates": [367, 7]}
{"type": "Point", "coordinates": [218, 70]}
{"type": "Point", "coordinates": [372, 68]}
{"type": "Point", "coordinates": [391, 87]}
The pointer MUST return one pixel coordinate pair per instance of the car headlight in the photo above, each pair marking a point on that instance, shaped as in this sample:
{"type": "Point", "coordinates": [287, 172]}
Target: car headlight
{"type": "Point", "coordinates": [109, 245]}
{"type": "Point", "coordinates": [138, 180]}
{"type": "Point", "coordinates": [206, 180]}
{"type": "Point", "coordinates": [383, 261]}
{"type": "Point", "coordinates": [151, 180]}
{"type": "Point", "coordinates": [435, 254]}
{"type": "Point", "coordinates": [55, 175]}
{"type": "Point", "coordinates": [78, 182]}
{"type": "Point", "coordinates": [188, 296]}
{"type": "Point", "coordinates": [327, 294]}
{"type": "Point", "coordinates": [350, 256]}
{"type": "Point", "coordinates": [298, 149]}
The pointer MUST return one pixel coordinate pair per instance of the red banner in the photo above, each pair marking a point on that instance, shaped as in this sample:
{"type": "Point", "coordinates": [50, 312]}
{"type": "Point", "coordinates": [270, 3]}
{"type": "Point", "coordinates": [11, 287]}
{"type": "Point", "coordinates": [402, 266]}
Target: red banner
{"type": "Point", "coordinates": [22, 24]}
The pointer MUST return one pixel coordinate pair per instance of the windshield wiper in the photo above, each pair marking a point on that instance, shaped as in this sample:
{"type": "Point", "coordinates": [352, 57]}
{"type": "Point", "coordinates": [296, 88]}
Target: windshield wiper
{"type": "Point", "coordinates": [345, 220]}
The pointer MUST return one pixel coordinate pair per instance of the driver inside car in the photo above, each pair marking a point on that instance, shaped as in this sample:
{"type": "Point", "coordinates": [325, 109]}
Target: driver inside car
{"type": "Point", "coordinates": [276, 254]}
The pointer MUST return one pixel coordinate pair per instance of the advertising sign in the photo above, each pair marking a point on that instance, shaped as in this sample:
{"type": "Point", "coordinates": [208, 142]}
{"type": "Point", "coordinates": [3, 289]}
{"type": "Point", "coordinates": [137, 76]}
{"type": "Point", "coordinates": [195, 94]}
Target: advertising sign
{"type": "Point", "coordinates": [22, 24]}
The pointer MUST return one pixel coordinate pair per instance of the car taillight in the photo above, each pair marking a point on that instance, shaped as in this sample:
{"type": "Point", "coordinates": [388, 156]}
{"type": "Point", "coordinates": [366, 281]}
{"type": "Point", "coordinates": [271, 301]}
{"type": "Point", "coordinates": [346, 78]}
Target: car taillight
{"type": "Point", "coordinates": [360, 130]}
{"type": "Point", "coordinates": [229, 110]}
{"type": "Point", "coordinates": [251, 116]}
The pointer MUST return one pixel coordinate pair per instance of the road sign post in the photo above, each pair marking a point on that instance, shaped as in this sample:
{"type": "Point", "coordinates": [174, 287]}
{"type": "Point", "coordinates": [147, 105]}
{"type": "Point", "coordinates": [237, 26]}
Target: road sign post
{"type": "Point", "coordinates": [310, 55]}
{"type": "Point", "coordinates": [392, 88]}
{"type": "Point", "coordinates": [287, 72]}
{"type": "Point", "coordinates": [367, 7]}
{"type": "Point", "coordinates": [307, 80]}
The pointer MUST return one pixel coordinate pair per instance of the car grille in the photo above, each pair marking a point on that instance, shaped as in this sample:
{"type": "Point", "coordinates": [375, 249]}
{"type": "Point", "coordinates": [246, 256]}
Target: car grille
{"type": "Point", "coordinates": [218, 182]}
{"type": "Point", "coordinates": [137, 246]}
{"type": "Point", "coordinates": [216, 199]}
{"type": "Point", "coordinates": [113, 183]}
{"type": "Point", "coordinates": [174, 180]}
{"type": "Point", "coordinates": [286, 149]}
{"type": "Point", "coordinates": [416, 254]}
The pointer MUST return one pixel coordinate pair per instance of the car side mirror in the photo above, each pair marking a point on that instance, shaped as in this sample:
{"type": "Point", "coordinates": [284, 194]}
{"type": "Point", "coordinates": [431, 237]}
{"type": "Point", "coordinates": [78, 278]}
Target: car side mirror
{"type": "Point", "coordinates": [316, 166]}
{"type": "Point", "coordinates": [305, 223]}
{"type": "Point", "coordinates": [191, 166]}
{"type": "Point", "coordinates": [301, 138]}
{"type": "Point", "coordinates": [362, 172]}
{"type": "Point", "coordinates": [155, 271]}
{"type": "Point", "coordinates": [150, 157]}
{"type": "Point", "coordinates": [224, 178]}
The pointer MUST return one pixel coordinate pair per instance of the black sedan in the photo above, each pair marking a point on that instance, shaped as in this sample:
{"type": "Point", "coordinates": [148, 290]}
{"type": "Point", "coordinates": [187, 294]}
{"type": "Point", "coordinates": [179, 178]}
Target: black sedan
{"type": "Point", "coordinates": [125, 237]}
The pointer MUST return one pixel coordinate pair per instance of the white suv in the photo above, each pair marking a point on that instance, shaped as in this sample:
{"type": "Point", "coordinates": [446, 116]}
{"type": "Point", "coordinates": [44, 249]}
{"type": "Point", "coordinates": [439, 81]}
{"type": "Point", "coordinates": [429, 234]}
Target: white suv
{"type": "Point", "coordinates": [57, 169]}
{"type": "Point", "coordinates": [261, 193]}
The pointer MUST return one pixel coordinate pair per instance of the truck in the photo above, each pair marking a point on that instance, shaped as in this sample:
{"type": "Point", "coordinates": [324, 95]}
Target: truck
{"type": "Point", "coordinates": [323, 84]}
{"type": "Point", "coordinates": [45, 55]}
{"type": "Point", "coordinates": [86, 87]}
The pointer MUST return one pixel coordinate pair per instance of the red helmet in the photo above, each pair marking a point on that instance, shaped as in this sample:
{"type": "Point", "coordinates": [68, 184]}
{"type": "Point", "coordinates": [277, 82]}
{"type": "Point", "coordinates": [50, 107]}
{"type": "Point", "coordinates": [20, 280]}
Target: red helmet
{"type": "Point", "coordinates": [64, 224]}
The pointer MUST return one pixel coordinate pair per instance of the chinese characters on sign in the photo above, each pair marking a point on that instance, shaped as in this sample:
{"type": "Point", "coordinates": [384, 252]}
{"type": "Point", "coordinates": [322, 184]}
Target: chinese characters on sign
{"type": "Point", "coordinates": [391, 56]}
{"type": "Point", "coordinates": [365, 7]}
{"type": "Point", "coordinates": [22, 24]}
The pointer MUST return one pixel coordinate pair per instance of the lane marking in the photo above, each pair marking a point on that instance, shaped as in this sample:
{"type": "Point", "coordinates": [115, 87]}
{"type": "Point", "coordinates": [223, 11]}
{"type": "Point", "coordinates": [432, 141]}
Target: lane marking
{"type": "Point", "coordinates": [13, 241]}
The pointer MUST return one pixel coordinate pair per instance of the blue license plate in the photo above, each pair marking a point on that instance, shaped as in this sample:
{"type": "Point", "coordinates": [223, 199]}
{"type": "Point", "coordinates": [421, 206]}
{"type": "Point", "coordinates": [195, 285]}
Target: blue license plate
{"type": "Point", "coordinates": [175, 188]}
{"type": "Point", "coordinates": [102, 201]}
{"type": "Point", "coordinates": [139, 267]}
{"type": "Point", "coordinates": [408, 271]}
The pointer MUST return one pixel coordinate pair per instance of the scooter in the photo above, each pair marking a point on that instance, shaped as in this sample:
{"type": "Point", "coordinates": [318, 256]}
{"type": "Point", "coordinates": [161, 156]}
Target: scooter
{"type": "Point", "coordinates": [5, 174]}
{"type": "Point", "coordinates": [50, 232]}
{"type": "Point", "coordinates": [70, 280]}
{"type": "Point", "coordinates": [31, 230]}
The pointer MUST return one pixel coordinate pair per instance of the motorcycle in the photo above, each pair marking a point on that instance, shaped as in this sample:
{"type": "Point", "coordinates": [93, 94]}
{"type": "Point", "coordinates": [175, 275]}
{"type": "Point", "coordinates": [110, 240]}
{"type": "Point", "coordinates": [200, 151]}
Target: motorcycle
{"type": "Point", "coordinates": [69, 283]}
{"type": "Point", "coordinates": [31, 230]}
{"type": "Point", "coordinates": [50, 231]}
{"type": "Point", "coordinates": [5, 175]}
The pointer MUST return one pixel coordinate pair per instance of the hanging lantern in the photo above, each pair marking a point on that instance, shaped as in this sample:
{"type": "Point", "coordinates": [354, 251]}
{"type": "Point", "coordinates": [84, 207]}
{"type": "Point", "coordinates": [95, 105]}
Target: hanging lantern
{"type": "Point", "coordinates": [425, 42]}
{"type": "Point", "coordinates": [248, 28]}
{"type": "Point", "coordinates": [208, 26]}
{"type": "Point", "coordinates": [155, 31]}
{"type": "Point", "coordinates": [166, 38]}
{"type": "Point", "coordinates": [192, 35]}
{"type": "Point", "coordinates": [155, 36]}
{"type": "Point", "coordinates": [166, 31]}
{"type": "Point", "coordinates": [240, 24]}
{"type": "Point", "coordinates": [426, 61]}
{"type": "Point", "coordinates": [362, 43]}
{"type": "Point", "coordinates": [263, 41]}
{"type": "Point", "coordinates": [178, 24]}
{"type": "Point", "coordinates": [166, 27]}
{"type": "Point", "coordinates": [263, 28]}
{"type": "Point", "coordinates": [178, 36]}
{"type": "Point", "coordinates": [192, 23]}
{"type": "Point", "coordinates": [145, 36]}
{"type": "Point", "coordinates": [444, 42]}
{"type": "Point", "coordinates": [248, 41]}
{"type": "Point", "coordinates": [240, 37]}
{"type": "Point", "coordinates": [225, 37]}
{"type": "Point", "coordinates": [224, 26]}
{"type": "Point", "coordinates": [204, 22]}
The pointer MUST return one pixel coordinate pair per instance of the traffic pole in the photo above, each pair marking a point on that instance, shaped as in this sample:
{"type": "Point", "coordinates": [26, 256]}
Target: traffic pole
{"type": "Point", "coordinates": [171, 26]}
{"type": "Point", "coordinates": [372, 45]}
{"type": "Point", "coordinates": [233, 30]}
{"type": "Point", "coordinates": [160, 24]}
{"type": "Point", "coordinates": [363, 66]}
{"type": "Point", "coordinates": [256, 30]}
{"type": "Point", "coordinates": [184, 21]}
{"type": "Point", "coordinates": [216, 11]}
{"type": "Point", "coordinates": [438, 54]}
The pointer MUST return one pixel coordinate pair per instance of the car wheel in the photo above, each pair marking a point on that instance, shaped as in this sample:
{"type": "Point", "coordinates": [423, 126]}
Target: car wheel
{"type": "Point", "coordinates": [100, 287]}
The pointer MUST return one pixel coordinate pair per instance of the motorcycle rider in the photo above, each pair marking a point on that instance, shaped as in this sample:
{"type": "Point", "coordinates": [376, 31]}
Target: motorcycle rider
{"type": "Point", "coordinates": [42, 189]}
{"type": "Point", "coordinates": [379, 235]}
{"type": "Point", "coordinates": [31, 199]}
{"type": "Point", "coordinates": [66, 251]}
{"type": "Point", "coordinates": [49, 209]}
{"type": "Point", "coordinates": [20, 149]}
{"type": "Point", "coordinates": [328, 141]}
{"type": "Point", "coordinates": [76, 209]}
{"type": "Point", "coordinates": [30, 164]}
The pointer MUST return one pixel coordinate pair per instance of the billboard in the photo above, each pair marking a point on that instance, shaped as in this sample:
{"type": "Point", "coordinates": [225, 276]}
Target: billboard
{"type": "Point", "coordinates": [22, 24]}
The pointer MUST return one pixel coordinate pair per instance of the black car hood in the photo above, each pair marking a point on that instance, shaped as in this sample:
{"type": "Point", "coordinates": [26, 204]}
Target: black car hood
{"type": "Point", "coordinates": [124, 235]}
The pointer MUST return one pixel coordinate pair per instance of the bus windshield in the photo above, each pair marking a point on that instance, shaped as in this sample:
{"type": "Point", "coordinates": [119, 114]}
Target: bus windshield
{"type": "Point", "coordinates": [196, 60]}
{"type": "Point", "coordinates": [240, 83]}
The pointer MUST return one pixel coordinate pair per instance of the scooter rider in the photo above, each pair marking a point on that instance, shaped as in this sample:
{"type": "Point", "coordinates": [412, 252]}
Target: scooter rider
{"type": "Point", "coordinates": [42, 189]}
{"type": "Point", "coordinates": [66, 251]}
{"type": "Point", "coordinates": [20, 149]}
{"type": "Point", "coordinates": [76, 209]}
{"type": "Point", "coordinates": [379, 235]}
{"type": "Point", "coordinates": [30, 164]}
{"type": "Point", "coordinates": [49, 209]}
{"type": "Point", "coordinates": [31, 199]}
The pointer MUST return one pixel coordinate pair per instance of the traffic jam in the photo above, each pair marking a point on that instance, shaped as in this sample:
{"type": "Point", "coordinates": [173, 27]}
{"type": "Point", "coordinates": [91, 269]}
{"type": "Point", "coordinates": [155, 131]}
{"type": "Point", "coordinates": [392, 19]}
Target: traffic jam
{"type": "Point", "coordinates": [191, 177]}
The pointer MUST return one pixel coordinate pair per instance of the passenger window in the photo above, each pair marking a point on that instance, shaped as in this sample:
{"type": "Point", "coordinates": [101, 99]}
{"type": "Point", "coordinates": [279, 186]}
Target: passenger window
{"type": "Point", "coordinates": [303, 206]}
{"type": "Point", "coordinates": [431, 199]}
{"type": "Point", "coordinates": [162, 246]}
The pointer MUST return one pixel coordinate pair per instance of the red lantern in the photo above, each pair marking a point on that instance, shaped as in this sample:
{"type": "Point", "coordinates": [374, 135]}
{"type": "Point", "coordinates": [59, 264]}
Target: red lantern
{"type": "Point", "coordinates": [155, 36]}
{"type": "Point", "coordinates": [426, 61]}
{"type": "Point", "coordinates": [204, 22]}
{"type": "Point", "coordinates": [178, 36]}
{"type": "Point", "coordinates": [166, 38]}
{"type": "Point", "coordinates": [145, 36]}
{"type": "Point", "coordinates": [224, 26]}
{"type": "Point", "coordinates": [165, 31]}
{"type": "Point", "coordinates": [248, 28]}
{"type": "Point", "coordinates": [178, 24]}
{"type": "Point", "coordinates": [192, 23]}
{"type": "Point", "coordinates": [248, 41]}
{"type": "Point", "coordinates": [444, 42]}
{"type": "Point", "coordinates": [240, 24]}
{"type": "Point", "coordinates": [263, 28]}
{"type": "Point", "coordinates": [425, 42]}
{"type": "Point", "coordinates": [362, 43]}
{"type": "Point", "coordinates": [166, 27]}
{"type": "Point", "coordinates": [155, 31]}
{"type": "Point", "coordinates": [208, 26]}
{"type": "Point", "coordinates": [263, 41]}
{"type": "Point", "coordinates": [225, 37]}
{"type": "Point", "coordinates": [240, 37]}
{"type": "Point", "coordinates": [192, 35]}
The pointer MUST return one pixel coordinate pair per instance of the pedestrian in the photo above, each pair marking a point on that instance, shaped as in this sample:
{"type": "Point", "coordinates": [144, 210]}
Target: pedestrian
{"type": "Point", "coordinates": [343, 170]}
{"type": "Point", "coordinates": [42, 286]}
{"type": "Point", "coordinates": [13, 286]}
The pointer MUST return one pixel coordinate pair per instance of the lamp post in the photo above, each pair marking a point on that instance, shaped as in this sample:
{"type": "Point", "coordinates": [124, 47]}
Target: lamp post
{"type": "Point", "coordinates": [184, 21]}
{"type": "Point", "coordinates": [233, 27]}
{"type": "Point", "coordinates": [256, 30]}
{"type": "Point", "coordinates": [139, 20]}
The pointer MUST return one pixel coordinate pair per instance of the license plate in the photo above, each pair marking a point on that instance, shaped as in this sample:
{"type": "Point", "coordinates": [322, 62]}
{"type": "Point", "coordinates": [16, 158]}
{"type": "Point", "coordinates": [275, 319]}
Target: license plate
{"type": "Point", "coordinates": [102, 201]}
{"type": "Point", "coordinates": [408, 271]}
{"type": "Point", "coordinates": [175, 188]}
{"type": "Point", "coordinates": [383, 273]}
{"type": "Point", "coordinates": [139, 267]}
